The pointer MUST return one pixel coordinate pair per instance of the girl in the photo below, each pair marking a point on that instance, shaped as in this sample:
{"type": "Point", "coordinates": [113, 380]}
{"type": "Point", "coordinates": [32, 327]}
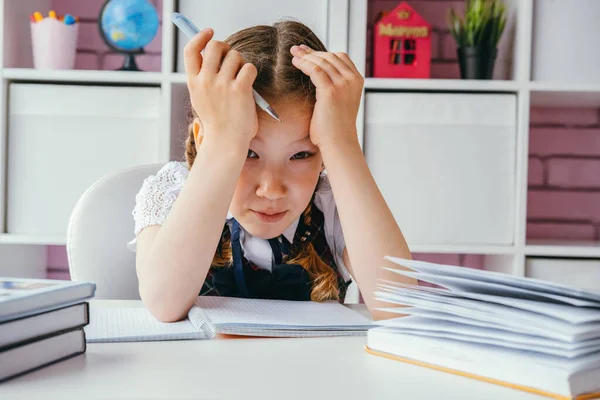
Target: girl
{"type": "Point", "coordinates": [252, 214]}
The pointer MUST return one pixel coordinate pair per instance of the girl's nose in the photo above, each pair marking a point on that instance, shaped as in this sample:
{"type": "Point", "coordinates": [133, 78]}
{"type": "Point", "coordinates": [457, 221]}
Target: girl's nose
{"type": "Point", "coordinates": [271, 186]}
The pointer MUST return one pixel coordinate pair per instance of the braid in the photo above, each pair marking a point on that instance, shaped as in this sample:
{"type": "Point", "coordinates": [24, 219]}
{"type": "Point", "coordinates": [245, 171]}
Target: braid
{"type": "Point", "coordinates": [223, 256]}
{"type": "Point", "coordinates": [323, 277]}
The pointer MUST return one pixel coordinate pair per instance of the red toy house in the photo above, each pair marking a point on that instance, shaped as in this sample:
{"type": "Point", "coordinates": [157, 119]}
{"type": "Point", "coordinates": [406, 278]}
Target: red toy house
{"type": "Point", "coordinates": [402, 45]}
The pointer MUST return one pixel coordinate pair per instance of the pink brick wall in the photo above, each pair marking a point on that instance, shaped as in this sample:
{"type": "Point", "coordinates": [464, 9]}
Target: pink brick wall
{"type": "Point", "coordinates": [564, 174]}
{"type": "Point", "coordinates": [92, 52]}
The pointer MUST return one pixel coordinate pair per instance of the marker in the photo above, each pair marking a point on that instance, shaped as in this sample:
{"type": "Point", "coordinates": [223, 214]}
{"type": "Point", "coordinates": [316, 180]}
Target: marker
{"type": "Point", "coordinates": [38, 16]}
{"type": "Point", "coordinates": [52, 14]}
{"type": "Point", "coordinates": [191, 30]}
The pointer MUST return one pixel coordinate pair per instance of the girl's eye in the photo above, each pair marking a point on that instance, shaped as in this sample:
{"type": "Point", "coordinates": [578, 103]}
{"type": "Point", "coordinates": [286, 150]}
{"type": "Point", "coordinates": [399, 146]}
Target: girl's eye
{"type": "Point", "coordinates": [251, 154]}
{"type": "Point", "coordinates": [302, 155]}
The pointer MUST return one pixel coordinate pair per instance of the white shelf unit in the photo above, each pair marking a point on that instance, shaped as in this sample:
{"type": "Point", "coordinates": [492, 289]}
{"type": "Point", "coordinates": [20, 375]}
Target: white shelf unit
{"type": "Point", "coordinates": [343, 26]}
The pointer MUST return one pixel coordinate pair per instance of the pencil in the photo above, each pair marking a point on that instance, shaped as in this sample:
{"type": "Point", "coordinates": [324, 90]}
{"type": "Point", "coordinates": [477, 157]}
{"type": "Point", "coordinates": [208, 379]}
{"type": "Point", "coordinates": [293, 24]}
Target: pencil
{"type": "Point", "coordinates": [188, 27]}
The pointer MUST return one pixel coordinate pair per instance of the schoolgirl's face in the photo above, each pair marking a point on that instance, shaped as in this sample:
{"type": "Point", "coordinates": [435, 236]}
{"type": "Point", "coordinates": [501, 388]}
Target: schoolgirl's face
{"type": "Point", "coordinates": [280, 174]}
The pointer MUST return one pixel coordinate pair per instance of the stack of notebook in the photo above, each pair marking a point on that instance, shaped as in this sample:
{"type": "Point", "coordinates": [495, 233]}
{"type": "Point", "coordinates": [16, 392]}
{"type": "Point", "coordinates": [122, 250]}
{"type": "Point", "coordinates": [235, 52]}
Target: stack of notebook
{"type": "Point", "coordinates": [524, 333]}
{"type": "Point", "coordinates": [41, 322]}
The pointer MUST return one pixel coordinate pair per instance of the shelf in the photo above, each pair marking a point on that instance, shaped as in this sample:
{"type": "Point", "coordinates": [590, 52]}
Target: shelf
{"type": "Point", "coordinates": [549, 94]}
{"type": "Point", "coordinates": [33, 75]}
{"type": "Point", "coordinates": [462, 249]}
{"type": "Point", "coordinates": [455, 85]}
{"type": "Point", "coordinates": [178, 77]}
{"type": "Point", "coordinates": [10, 238]}
{"type": "Point", "coordinates": [562, 248]}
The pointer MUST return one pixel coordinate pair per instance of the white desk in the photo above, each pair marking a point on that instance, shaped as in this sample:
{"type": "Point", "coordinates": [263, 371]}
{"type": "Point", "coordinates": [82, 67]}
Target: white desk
{"type": "Point", "coordinates": [245, 368]}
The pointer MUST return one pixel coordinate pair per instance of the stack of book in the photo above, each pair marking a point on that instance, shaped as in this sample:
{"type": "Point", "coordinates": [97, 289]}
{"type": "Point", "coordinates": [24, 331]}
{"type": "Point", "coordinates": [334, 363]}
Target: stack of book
{"type": "Point", "coordinates": [41, 322]}
{"type": "Point", "coordinates": [524, 333]}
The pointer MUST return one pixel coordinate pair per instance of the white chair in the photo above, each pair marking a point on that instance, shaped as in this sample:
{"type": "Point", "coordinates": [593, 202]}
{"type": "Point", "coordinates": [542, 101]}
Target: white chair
{"type": "Point", "coordinates": [99, 228]}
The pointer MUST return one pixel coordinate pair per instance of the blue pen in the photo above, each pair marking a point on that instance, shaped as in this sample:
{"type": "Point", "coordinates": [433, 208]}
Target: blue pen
{"type": "Point", "coordinates": [191, 30]}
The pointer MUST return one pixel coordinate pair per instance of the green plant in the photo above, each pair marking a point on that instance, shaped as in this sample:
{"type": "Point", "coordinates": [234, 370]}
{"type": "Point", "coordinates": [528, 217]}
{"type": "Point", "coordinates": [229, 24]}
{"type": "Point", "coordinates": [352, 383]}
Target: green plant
{"type": "Point", "coordinates": [482, 25]}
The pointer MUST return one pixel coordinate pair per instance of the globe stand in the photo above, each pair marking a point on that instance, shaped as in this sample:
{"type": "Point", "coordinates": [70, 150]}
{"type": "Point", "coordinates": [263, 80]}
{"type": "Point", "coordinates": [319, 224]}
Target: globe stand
{"type": "Point", "coordinates": [129, 63]}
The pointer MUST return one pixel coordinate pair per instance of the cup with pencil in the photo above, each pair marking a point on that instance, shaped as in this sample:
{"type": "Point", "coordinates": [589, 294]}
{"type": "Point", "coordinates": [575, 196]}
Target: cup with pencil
{"type": "Point", "coordinates": [54, 40]}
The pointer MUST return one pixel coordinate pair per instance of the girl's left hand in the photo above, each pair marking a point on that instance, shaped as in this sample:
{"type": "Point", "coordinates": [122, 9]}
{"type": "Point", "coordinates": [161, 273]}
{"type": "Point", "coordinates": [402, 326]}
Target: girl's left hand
{"type": "Point", "coordinates": [339, 88]}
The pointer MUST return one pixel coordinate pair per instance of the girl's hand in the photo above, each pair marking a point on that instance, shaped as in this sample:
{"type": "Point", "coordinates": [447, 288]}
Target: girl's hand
{"type": "Point", "coordinates": [339, 88]}
{"type": "Point", "coordinates": [220, 86]}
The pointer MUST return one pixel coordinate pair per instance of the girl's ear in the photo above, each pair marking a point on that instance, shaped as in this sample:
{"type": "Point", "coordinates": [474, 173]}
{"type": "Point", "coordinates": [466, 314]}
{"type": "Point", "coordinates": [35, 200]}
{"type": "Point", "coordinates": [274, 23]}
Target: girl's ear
{"type": "Point", "coordinates": [197, 130]}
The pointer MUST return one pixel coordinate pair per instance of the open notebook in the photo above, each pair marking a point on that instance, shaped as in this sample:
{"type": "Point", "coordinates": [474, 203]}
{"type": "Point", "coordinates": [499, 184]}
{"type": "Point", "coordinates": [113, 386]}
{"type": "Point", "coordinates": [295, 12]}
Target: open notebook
{"type": "Point", "coordinates": [238, 316]}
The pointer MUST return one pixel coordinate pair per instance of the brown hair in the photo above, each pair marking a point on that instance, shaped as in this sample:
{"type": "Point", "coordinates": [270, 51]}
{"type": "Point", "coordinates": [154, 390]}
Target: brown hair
{"type": "Point", "coordinates": [268, 48]}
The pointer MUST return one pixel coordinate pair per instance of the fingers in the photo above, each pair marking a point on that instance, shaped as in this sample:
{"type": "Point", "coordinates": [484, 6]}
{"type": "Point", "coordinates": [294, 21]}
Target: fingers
{"type": "Point", "coordinates": [191, 53]}
{"type": "Point", "coordinates": [346, 60]}
{"type": "Point", "coordinates": [325, 68]}
{"type": "Point", "coordinates": [247, 75]}
{"type": "Point", "coordinates": [333, 59]}
{"type": "Point", "coordinates": [215, 51]}
{"type": "Point", "coordinates": [317, 75]}
{"type": "Point", "coordinates": [330, 69]}
{"type": "Point", "coordinates": [232, 64]}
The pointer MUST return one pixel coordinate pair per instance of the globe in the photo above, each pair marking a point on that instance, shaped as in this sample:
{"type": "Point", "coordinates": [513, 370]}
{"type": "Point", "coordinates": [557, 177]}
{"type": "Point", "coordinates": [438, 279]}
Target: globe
{"type": "Point", "coordinates": [127, 26]}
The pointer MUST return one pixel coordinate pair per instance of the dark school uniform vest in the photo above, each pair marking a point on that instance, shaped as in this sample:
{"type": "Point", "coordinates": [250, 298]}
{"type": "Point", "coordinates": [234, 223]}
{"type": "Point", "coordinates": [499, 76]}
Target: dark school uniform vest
{"type": "Point", "coordinates": [284, 281]}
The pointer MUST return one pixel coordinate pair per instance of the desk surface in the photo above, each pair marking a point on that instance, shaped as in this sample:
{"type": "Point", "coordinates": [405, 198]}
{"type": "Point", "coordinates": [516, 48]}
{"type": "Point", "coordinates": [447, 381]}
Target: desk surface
{"type": "Point", "coordinates": [248, 368]}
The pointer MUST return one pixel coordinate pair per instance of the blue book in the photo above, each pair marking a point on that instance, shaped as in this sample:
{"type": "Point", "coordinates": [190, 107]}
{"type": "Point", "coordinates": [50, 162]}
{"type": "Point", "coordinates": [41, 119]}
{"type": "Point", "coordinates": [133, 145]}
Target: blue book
{"type": "Point", "coordinates": [23, 297]}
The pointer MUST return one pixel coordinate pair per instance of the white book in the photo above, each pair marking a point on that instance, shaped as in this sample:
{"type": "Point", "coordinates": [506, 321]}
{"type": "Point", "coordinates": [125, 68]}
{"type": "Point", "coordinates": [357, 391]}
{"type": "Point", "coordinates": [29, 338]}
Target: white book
{"type": "Point", "coordinates": [227, 315]}
{"type": "Point", "coordinates": [526, 333]}
{"type": "Point", "coordinates": [36, 327]}
{"type": "Point", "coordinates": [31, 356]}
{"type": "Point", "coordinates": [23, 297]}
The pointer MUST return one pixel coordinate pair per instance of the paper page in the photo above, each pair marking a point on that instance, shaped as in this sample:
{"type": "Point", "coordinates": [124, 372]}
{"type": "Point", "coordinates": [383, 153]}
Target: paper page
{"type": "Point", "coordinates": [537, 285]}
{"type": "Point", "coordinates": [274, 314]}
{"type": "Point", "coordinates": [574, 315]}
{"type": "Point", "coordinates": [469, 285]}
{"type": "Point", "coordinates": [446, 316]}
{"type": "Point", "coordinates": [109, 324]}
{"type": "Point", "coordinates": [482, 311]}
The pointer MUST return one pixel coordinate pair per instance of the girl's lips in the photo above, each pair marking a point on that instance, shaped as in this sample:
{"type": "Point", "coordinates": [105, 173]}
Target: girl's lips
{"type": "Point", "coordinates": [263, 217]}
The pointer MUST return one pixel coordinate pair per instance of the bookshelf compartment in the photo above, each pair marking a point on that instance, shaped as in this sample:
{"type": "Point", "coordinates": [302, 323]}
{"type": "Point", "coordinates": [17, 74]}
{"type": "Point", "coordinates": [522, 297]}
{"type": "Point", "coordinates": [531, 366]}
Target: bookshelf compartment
{"type": "Point", "coordinates": [579, 273]}
{"type": "Point", "coordinates": [62, 138]}
{"type": "Point", "coordinates": [92, 52]}
{"type": "Point", "coordinates": [565, 34]}
{"type": "Point", "coordinates": [563, 190]}
{"type": "Point", "coordinates": [443, 161]}
{"type": "Point", "coordinates": [228, 16]}
{"type": "Point", "coordinates": [444, 60]}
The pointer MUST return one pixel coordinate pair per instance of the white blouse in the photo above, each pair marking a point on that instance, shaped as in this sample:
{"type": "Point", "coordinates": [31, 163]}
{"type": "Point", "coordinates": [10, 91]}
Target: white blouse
{"type": "Point", "coordinates": [158, 193]}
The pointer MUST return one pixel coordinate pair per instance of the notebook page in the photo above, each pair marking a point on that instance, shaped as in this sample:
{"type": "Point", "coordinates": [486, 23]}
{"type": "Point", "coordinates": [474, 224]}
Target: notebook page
{"type": "Point", "coordinates": [134, 324]}
{"type": "Point", "coordinates": [482, 312]}
{"type": "Point", "coordinates": [575, 315]}
{"type": "Point", "coordinates": [468, 285]}
{"type": "Point", "coordinates": [499, 278]}
{"type": "Point", "coordinates": [277, 314]}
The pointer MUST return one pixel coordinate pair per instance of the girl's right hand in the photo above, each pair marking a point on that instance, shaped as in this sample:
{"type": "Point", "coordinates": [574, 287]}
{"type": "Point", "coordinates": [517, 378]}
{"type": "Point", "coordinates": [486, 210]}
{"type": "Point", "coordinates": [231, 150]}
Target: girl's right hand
{"type": "Point", "coordinates": [220, 86]}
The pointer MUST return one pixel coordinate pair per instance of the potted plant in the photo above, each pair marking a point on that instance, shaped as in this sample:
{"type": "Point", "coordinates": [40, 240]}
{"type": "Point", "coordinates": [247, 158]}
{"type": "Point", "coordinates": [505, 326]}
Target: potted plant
{"type": "Point", "coordinates": [477, 35]}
